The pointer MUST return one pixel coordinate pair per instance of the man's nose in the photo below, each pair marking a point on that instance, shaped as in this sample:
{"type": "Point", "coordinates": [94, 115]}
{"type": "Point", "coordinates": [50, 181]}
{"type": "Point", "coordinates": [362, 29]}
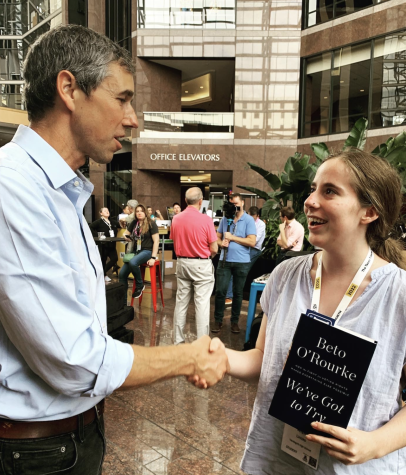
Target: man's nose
{"type": "Point", "coordinates": [130, 120]}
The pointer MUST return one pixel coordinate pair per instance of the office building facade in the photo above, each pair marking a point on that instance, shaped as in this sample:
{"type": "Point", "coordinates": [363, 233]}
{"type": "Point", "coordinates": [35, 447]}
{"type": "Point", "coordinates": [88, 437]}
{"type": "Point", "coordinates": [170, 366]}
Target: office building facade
{"type": "Point", "coordinates": [220, 83]}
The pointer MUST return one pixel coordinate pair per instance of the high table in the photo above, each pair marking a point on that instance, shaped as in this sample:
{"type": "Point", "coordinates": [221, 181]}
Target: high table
{"type": "Point", "coordinates": [256, 287]}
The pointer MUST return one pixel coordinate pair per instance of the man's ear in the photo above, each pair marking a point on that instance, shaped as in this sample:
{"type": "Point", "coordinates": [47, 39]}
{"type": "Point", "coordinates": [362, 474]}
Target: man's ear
{"type": "Point", "coordinates": [369, 215]}
{"type": "Point", "coordinates": [66, 86]}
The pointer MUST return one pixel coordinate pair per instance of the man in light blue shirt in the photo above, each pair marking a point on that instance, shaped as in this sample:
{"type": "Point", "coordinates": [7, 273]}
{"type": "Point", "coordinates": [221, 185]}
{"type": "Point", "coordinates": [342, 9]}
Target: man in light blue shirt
{"type": "Point", "coordinates": [57, 362]}
{"type": "Point", "coordinates": [237, 240]}
{"type": "Point", "coordinates": [255, 252]}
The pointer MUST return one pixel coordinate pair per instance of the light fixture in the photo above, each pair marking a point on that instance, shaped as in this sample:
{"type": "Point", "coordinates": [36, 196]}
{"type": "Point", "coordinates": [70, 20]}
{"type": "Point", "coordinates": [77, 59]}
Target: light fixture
{"type": "Point", "coordinates": [186, 92]}
{"type": "Point", "coordinates": [189, 179]}
{"type": "Point", "coordinates": [325, 97]}
{"type": "Point", "coordinates": [362, 90]}
{"type": "Point", "coordinates": [201, 171]}
{"type": "Point", "coordinates": [201, 87]}
{"type": "Point", "coordinates": [341, 82]}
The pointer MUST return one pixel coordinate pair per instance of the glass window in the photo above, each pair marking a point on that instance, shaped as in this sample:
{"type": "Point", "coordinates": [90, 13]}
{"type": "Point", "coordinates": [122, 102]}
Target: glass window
{"type": "Point", "coordinates": [316, 95]}
{"type": "Point", "coordinates": [350, 86]}
{"type": "Point", "coordinates": [320, 11]}
{"type": "Point", "coordinates": [389, 81]}
{"type": "Point", "coordinates": [118, 22]}
{"type": "Point", "coordinates": [208, 14]}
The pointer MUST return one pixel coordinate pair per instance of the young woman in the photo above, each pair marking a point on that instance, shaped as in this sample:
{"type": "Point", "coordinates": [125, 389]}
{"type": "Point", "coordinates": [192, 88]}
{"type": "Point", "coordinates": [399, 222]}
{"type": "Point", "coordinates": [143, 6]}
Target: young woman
{"type": "Point", "coordinates": [107, 249]}
{"type": "Point", "coordinates": [145, 237]}
{"type": "Point", "coordinates": [354, 203]}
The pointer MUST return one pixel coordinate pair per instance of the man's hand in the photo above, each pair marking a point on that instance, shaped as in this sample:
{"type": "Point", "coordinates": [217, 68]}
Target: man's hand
{"type": "Point", "coordinates": [225, 243]}
{"type": "Point", "coordinates": [282, 227]}
{"type": "Point", "coordinates": [350, 446]}
{"type": "Point", "coordinates": [228, 237]}
{"type": "Point", "coordinates": [123, 223]}
{"type": "Point", "coordinates": [211, 362]}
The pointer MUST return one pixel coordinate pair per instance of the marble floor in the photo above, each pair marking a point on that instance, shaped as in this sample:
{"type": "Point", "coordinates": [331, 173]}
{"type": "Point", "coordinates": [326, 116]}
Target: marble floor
{"type": "Point", "coordinates": [172, 427]}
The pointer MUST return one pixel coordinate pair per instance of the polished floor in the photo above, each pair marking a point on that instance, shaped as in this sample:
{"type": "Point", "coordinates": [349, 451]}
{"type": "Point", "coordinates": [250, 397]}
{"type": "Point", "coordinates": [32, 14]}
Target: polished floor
{"type": "Point", "coordinates": [172, 427]}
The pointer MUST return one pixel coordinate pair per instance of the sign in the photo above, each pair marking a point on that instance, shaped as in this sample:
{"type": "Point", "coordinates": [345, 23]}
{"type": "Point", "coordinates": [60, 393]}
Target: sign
{"type": "Point", "coordinates": [196, 157]}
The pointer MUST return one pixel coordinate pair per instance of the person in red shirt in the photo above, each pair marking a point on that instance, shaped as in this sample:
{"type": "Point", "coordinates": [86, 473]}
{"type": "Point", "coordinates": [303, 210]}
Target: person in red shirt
{"type": "Point", "coordinates": [195, 243]}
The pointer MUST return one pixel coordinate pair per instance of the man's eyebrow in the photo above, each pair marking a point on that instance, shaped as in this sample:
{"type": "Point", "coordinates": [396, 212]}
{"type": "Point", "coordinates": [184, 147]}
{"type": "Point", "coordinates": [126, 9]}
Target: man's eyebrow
{"type": "Point", "coordinates": [127, 92]}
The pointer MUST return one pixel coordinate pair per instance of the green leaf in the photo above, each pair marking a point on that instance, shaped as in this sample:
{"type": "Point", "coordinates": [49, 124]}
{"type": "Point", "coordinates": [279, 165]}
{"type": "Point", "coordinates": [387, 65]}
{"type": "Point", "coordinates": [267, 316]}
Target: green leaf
{"type": "Point", "coordinates": [400, 140]}
{"type": "Point", "coordinates": [320, 150]}
{"type": "Point", "coordinates": [271, 178]}
{"type": "Point", "coordinates": [380, 150]}
{"type": "Point", "coordinates": [358, 135]}
{"type": "Point", "coordinates": [397, 156]}
{"type": "Point", "coordinates": [270, 209]}
{"type": "Point", "coordinates": [258, 192]}
{"type": "Point", "coordinates": [288, 164]}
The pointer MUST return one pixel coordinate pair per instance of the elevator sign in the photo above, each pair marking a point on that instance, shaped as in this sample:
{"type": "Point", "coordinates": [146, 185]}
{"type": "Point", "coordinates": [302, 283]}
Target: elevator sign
{"type": "Point", "coordinates": [195, 157]}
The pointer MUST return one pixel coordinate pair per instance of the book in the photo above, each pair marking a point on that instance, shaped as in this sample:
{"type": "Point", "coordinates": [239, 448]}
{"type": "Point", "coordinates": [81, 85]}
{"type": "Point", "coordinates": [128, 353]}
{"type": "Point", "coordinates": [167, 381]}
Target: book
{"type": "Point", "coordinates": [322, 377]}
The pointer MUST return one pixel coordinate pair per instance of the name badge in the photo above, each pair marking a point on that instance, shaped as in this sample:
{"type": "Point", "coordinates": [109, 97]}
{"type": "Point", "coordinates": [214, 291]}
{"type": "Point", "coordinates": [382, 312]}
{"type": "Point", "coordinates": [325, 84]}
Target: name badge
{"type": "Point", "coordinates": [320, 317]}
{"type": "Point", "coordinates": [138, 245]}
{"type": "Point", "coordinates": [295, 444]}
{"type": "Point", "coordinates": [111, 232]}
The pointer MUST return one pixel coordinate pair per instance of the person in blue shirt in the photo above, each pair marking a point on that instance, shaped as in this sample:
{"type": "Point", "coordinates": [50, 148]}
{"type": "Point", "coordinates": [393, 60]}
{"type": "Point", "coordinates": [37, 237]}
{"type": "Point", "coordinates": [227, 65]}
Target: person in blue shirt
{"type": "Point", "coordinates": [57, 362]}
{"type": "Point", "coordinates": [236, 263]}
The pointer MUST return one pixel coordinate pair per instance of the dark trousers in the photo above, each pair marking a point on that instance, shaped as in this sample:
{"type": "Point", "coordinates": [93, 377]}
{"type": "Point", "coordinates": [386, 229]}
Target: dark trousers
{"type": "Point", "coordinates": [134, 267]}
{"type": "Point", "coordinates": [76, 453]}
{"type": "Point", "coordinates": [107, 252]}
{"type": "Point", "coordinates": [239, 272]}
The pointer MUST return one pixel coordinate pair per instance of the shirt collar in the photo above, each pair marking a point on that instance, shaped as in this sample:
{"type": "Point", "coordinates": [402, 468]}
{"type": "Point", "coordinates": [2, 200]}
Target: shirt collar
{"type": "Point", "coordinates": [53, 165]}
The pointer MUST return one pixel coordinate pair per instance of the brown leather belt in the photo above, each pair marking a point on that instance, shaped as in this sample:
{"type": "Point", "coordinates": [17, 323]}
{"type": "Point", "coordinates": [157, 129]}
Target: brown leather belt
{"type": "Point", "coordinates": [33, 430]}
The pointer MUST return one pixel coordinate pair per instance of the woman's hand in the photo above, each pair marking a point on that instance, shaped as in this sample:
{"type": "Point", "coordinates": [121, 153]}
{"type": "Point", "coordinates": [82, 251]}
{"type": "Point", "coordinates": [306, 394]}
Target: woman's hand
{"type": "Point", "coordinates": [151, 262]}
{"type": "Point", "coordinates": [350, 446]}
{"type": "Point", "coordinates": [127, 237]}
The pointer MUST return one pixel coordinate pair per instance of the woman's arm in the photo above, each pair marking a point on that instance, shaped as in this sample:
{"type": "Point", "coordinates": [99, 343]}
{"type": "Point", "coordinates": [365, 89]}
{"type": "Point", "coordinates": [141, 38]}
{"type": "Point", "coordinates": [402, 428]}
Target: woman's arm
{"type": "Point", "coordinates": [155, 246]}
{"type": "Point", "coordinates": [244, 365]}
{"type": "Point", "coordinates": [352, 446]}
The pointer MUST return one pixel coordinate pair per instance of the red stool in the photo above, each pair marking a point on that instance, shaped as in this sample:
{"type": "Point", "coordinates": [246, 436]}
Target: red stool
{"type": "Point", "coordinates": [154, 290]}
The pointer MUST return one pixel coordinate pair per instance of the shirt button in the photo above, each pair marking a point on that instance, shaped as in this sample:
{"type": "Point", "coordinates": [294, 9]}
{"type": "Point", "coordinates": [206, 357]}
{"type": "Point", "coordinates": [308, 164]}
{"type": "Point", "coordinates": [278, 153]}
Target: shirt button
{"type": "Point", "coordinates": [16, 455]}
{"type": "Point", "coordinates": [63, 449]}
{"type": "Point", "coordinates": [76, 183]}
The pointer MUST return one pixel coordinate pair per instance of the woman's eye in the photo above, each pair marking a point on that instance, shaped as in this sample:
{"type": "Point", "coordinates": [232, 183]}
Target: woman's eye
{"type": "Point", "coordinates": [329, 191]}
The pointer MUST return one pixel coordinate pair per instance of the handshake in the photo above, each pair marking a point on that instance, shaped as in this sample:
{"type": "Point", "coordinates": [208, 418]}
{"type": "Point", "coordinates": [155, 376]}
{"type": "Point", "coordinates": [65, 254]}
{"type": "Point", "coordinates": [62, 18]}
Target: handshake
{"type": "Point", "coordinates": [211, 362]}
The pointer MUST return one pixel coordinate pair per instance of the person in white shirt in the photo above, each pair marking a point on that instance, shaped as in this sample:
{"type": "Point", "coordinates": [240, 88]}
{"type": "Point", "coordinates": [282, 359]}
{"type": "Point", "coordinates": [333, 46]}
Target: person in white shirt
{"type": "Point", "coordinates": [291, 233]}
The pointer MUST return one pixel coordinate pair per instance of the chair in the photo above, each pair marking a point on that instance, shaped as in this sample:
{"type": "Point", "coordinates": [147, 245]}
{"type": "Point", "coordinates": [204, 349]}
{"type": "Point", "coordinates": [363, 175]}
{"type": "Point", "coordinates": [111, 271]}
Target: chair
{"type": "Point", "coordinates": [155, 271]}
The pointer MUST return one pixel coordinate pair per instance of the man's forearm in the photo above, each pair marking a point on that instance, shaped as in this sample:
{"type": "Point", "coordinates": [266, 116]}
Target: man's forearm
{"type": "Point", "coordinates": [283, 240]}
{"type": "Point", "coordinates": [157, 363]}
{"type": "Point", "coordinates": [247, 241]}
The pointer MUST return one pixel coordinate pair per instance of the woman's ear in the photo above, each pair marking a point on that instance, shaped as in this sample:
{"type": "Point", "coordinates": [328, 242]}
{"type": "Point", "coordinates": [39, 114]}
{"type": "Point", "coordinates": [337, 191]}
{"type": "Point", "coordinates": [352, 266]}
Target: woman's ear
{"type": "Point", "coordinates": [370, 214]}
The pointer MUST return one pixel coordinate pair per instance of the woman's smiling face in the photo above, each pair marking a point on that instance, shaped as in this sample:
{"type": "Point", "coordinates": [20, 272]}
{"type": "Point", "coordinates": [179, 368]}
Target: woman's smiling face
{"type": "Point", "coordinates": [334, 213]}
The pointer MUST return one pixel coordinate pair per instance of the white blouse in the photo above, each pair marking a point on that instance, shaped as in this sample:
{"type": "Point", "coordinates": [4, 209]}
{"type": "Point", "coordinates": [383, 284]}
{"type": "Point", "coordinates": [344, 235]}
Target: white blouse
{"type": "Point", "coordinates": [380, 313]}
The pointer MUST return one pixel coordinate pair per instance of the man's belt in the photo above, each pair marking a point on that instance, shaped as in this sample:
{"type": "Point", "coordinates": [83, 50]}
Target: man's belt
{"type": "Point", "coordinates": [183, 257]}
{"type": "Point", "coordinates": [10, 429]}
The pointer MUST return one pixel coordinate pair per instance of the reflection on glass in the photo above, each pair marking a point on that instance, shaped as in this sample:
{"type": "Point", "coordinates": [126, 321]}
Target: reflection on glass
{"type": "Point", "coordinates": [11, 96]}
{"type": "Point", "coordinates": [317, 95]}
{"type": "Point", "coordinates": [350, 86]}
{"type": "Point", "coordinates": [188, 121]}
{"type": "Point", "coordinates": [118, 22]}
{"type": "Point", "coordinates": [389, 82]}
{"type": "Point", "coordinates": [320, 11]}
{"type": "Point", "coordinates": [208, 14]}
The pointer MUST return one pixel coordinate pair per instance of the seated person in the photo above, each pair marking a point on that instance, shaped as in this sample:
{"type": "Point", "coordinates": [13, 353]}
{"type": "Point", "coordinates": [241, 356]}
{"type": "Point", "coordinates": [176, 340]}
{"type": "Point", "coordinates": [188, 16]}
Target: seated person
{"type": "Point", "coordinates": [291, 233]}
{"type": "Point", "coordinates": [143, 233]}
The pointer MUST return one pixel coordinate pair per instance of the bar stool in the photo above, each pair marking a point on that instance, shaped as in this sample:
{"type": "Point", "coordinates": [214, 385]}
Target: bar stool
{"type": "Point", "coordinates": [154, 290]}
{"type": "Point", "coordinates": [256, 287]}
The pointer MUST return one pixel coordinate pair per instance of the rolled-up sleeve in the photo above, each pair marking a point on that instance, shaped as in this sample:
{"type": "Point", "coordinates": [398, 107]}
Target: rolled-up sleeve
{"type": "Point", "coordinates": [46, 305]}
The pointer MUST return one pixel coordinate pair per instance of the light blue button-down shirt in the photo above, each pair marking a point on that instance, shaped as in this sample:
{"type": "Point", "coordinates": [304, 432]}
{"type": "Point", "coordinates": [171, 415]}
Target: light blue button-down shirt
{"type": "Point", "coordinates": [56, 359]}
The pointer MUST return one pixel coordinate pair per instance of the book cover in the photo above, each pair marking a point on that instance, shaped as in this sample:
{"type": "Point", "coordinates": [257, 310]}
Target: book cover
{"type": "Point", "coordinates": [322, 377]}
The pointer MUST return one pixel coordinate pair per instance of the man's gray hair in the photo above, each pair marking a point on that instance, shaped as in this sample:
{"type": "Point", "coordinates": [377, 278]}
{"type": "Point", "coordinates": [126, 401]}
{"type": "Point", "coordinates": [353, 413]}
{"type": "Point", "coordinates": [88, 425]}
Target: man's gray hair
{"type": "Point", "coordinates": [193, 195]}
{"type": "Point", "coordinates": [79, 50]}
{"type": "Point", "coordinates": [132, 203]}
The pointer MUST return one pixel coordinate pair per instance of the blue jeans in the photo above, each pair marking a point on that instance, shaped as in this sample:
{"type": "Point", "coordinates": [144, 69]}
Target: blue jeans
{"type": "Point", "coordinates": [254, 254]}
{"type": "Point", "coordinates": [134, 267]}
{"type": "Point", "coordinates": [239, 271]}
{"type": "Point", "coordinates": [76, 453]}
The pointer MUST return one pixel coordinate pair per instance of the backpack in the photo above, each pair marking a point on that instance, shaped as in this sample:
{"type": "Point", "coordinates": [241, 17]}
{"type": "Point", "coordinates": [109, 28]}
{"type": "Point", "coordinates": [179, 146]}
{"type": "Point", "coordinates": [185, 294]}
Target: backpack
{"type": "Point", "coordinates": [254, 332]}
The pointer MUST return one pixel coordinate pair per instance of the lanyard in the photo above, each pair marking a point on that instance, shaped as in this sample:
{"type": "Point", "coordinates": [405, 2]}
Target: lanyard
{"type": "Point", "coordinates": [349, 294]}
{"type": "Point", "coordinates": [137, 230]}
{"type": "Point", "coordinates": [108, 224]}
